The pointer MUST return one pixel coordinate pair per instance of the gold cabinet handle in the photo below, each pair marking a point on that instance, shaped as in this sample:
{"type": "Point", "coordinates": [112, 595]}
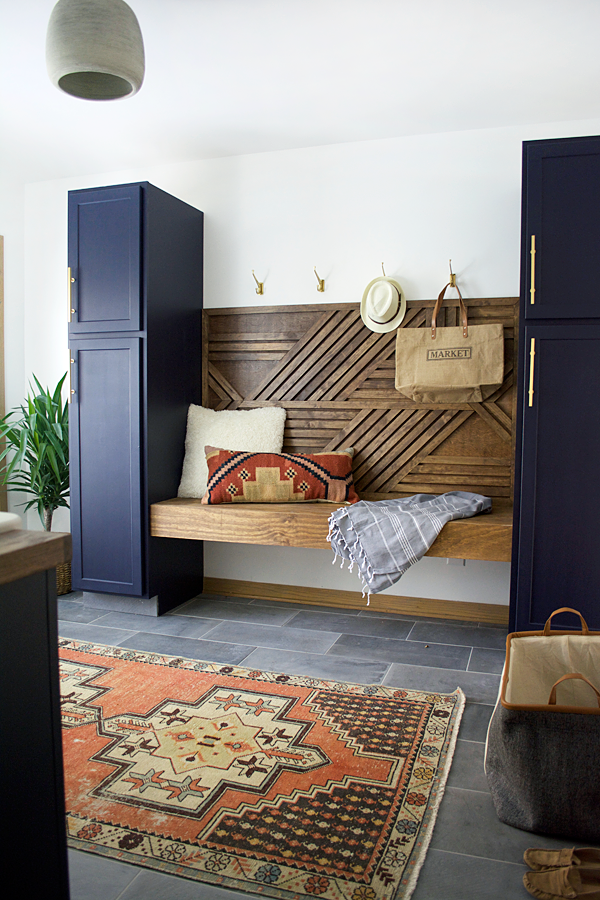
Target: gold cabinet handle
{"type": "Point", "coordinates": [531, 365]}
{"type": "Point", "coordinates": [71, 391]}
{"type": "Point", "coordinates": [532, 254]}
{"type": "Point", "coordinates": [70, 282]}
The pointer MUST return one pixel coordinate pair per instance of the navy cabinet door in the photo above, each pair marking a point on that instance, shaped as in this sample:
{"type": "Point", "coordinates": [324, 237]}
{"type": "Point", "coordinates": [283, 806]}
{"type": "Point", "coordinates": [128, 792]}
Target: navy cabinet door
{"type": "Point", "coordinates": [561, 223]}
{"type": "Point", "coordinates": [105, 447]}
{"type": "Point", "coordinates": [558, 562]}
{"type": "Point", "coordinates": [105, 258]}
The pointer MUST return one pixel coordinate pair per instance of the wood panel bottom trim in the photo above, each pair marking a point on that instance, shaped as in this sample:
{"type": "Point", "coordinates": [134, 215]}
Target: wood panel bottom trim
{"type": "Point", "coordinates": [490, 613]}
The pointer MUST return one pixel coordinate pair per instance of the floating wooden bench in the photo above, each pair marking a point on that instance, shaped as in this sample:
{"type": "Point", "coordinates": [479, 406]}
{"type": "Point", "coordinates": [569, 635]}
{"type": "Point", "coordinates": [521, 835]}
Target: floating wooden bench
{"type": "Point", "coordinates": [486, 536]}
{"type": "Point", "coordinates": [335, 378]}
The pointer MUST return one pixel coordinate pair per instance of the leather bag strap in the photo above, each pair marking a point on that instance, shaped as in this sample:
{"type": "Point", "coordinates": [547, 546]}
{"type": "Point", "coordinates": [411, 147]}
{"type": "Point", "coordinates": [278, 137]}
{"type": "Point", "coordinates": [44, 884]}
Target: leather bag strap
{"type": "Point", "coordinates": [438, 304]}
{"type": "Point", "coordinates": [584, 625]}
{"type": "Point", "coordinates": [552, 699]}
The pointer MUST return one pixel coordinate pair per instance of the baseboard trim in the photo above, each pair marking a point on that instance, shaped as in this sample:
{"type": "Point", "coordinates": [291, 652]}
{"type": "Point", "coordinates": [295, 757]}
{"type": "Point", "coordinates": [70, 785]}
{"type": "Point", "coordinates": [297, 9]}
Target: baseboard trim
{"type": "Point", "coordinates": [491, 613]}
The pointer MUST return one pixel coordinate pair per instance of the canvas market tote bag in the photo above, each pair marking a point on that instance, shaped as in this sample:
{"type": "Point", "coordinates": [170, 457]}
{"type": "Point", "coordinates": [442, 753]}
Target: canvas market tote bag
{"type": "Point", "coordinates": [456, 365]}
{"type": "Point", "coordinates": [543, 742]}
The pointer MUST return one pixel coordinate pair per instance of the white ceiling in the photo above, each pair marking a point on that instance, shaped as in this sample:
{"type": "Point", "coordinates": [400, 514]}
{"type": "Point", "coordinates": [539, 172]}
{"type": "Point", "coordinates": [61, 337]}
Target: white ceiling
{"type": "Point", "coordinates": [229, 77]}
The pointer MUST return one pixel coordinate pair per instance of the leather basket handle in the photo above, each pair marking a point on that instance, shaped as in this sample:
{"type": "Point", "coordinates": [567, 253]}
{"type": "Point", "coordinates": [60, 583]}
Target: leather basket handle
{"type": "Point", "coordinates": [584, 625]}
{"type": "Point", "coordinates": [438, 304]}
{"type": "Point", "coordinates": [552, 698]}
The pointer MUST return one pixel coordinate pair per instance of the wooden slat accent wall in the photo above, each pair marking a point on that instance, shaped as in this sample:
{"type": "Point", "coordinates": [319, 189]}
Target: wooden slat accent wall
{"type": "Point", "coordinates": [335, 379]}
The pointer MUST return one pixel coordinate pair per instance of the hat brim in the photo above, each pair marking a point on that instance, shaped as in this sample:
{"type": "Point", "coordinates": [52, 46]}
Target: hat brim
{"type": "Point", "coordinates": [383, 327]}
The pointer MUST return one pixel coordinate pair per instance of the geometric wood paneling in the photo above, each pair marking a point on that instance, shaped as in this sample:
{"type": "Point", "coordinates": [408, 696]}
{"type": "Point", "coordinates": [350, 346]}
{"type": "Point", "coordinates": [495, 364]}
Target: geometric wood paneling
{"type": "Point", "coordinates": [335, 379]}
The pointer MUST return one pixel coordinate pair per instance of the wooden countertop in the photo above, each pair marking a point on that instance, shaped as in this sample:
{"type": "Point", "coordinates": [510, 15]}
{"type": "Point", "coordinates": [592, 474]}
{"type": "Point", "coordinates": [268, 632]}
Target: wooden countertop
{"type": "Point", "coordinates": [487, 536]}
{"type": "Point", "coordinates": [24, 553]}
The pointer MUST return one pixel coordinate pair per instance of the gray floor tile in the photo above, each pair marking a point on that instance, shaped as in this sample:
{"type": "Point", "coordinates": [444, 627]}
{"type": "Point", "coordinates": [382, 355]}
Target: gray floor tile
{"type": "Point", "coordinates": [236, 612]}
{"type": "Point", "coordinates": [93, 877]}
{"type": "Point", "coordinates": [283, 604]}
{"type": "Point", "coordinates": [453, 876]}
{"type": "Point", "coordinates": [207, 598]}
{"type": "Point", "coordinates": [71, 597]}
{"type": "Point", "coordinates": [421, 620]}
{"type": "Point", "coordinates": [76, 612]}
{"type": "Point", "coordinates": [416, 654]}
{"type": "Point", "coordinates": [478, 688]}
{"type": "Point", "coordinates": [184, 626]}
{"type": "Point", "coordinates": [475, 721]}
{"type": "Point", "coordinates": [157, 886]}
{"type": "Point", "coordinates": [491, 661]}
{"type": "Point", "coordinates": [79, 631]}
{"type": "Point", "coordinates": [467, 823]}
{"type": "Point", "coordinates": [219, 598]}
{"type": "Point", "coordinates": [376, 627]}
{"type": "Point", "coordinates": [368, 613]}
{"type": "Point", "coordinates": [467, 766]}
{"type": "Point", "coordinates": [274, 636]}
{"type": "Point", "coordinates": [463, 635]}
{"type": "Point", "coordinates": [209, 651]}
{"type": "Point", "coordinates": [330, 668]}
{"type": "Point", "coordinates": [228, 599]}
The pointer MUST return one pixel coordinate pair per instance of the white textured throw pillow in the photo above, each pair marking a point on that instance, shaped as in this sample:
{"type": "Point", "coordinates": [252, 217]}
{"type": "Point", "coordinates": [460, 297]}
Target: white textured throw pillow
{"type": "Point", "coordinates": [255, 430]}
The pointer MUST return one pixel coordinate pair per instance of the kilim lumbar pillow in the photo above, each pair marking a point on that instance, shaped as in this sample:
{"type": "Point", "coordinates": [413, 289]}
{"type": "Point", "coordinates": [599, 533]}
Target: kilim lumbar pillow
{"type": "Point", "coordinates": [240, 477]}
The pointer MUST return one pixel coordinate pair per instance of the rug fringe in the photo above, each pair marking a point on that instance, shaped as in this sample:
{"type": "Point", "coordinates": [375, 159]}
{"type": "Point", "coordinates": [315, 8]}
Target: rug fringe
{"type": "Point", "coordinates": [435, 805]}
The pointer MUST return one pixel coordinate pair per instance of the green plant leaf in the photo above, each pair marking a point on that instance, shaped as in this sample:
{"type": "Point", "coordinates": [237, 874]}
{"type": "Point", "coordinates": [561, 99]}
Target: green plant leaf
{"type": "Point", "coordinates": [36, 451]}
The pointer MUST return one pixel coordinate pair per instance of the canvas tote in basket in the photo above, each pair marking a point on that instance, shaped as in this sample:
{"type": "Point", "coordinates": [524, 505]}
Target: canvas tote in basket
{"type": "Point", "coordinates": [543, 742]}
{"type": "Point", "coordinates": [456, 365]}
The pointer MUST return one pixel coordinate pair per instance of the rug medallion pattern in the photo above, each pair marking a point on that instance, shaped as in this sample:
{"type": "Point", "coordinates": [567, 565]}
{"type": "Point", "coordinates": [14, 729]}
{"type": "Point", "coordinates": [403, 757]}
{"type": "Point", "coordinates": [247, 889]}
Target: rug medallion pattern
{"type": "Point", "coordinates": [281, 785]}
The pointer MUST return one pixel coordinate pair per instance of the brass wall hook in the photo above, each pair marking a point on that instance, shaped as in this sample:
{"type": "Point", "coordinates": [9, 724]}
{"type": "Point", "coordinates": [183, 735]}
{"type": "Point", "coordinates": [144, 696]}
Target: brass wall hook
{"type": "Point", "coordinates": [321, 282]}
{"type": "Point", "coordinates": [260, 284]}
{"type": "Point", "coordinates": [383, 270]}
{"type": "Point", "coordinates": [452, 275]}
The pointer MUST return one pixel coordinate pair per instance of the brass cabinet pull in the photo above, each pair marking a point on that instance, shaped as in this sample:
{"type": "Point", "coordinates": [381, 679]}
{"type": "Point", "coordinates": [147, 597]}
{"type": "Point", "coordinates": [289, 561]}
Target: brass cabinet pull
{"type": "Point", "coordinates": [71, 391]}
{"type": "Point", "coordinates": [532, 253]}
{"type": "Point", "coordinates": [531, 364]}
{"type": "Point", "coordinates": [70, 282]}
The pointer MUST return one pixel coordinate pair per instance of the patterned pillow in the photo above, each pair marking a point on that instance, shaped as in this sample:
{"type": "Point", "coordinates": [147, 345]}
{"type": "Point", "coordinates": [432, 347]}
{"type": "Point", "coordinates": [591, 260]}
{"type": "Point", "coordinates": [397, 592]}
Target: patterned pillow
{"type": "Point", "coordinates": [241, 477]}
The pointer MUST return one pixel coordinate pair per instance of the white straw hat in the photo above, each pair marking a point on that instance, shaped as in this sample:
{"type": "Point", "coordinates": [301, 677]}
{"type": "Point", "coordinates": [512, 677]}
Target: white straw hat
{"type": "Point", "coordinates": [383, 305]}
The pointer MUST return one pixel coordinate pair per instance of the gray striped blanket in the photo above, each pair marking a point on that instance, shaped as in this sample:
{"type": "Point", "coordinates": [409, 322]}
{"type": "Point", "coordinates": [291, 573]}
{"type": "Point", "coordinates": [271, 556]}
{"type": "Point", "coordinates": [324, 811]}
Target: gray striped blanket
{"type": "Point", "coordinates": [384, 538]}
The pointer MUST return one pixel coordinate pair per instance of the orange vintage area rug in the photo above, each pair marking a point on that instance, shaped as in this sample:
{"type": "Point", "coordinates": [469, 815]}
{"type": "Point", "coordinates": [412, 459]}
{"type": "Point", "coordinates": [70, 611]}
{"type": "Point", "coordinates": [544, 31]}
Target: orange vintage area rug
{"type": "Point", "coordinates": [280, 785]}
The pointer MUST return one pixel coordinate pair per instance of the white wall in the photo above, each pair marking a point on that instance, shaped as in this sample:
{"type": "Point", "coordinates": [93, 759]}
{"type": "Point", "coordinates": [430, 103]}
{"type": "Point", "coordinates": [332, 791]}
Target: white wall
{"type": "Point", "coordinates": [12, 228]}
{"type": "Point", "coordinates": [412, 203]}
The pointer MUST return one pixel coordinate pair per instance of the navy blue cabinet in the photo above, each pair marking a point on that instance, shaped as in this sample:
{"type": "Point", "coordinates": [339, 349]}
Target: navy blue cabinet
{"type": "Point", "coordinates": [555, 557]}
{"type": "Point", "coordinates": [105, 247]}
{"type": "Point", "coordinates": [561, 229]}
{"type": "Point", "coordinates": [106, 466]}
{"type": "Point", "coordinates": [135, 259]}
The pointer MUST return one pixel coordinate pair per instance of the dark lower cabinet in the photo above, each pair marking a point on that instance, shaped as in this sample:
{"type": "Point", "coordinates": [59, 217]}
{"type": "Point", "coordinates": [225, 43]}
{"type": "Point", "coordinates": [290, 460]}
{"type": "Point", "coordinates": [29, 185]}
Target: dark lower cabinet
{"type": "Point", "coordinates": [106, 473]}
{"type": "Point", "coordinates": [135, 259]}
{"type": "Point", "coordinates": [556, 561]}
{"type": "Point", "coordinates": [32, 796]}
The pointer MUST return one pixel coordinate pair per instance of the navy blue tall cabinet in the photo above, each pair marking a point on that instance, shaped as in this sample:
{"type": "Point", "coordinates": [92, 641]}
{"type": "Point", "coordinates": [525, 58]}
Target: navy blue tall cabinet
{"type": "Point", "coordinates": [135, 301]}
{"type": "Point", "coordinates": [556, 561]}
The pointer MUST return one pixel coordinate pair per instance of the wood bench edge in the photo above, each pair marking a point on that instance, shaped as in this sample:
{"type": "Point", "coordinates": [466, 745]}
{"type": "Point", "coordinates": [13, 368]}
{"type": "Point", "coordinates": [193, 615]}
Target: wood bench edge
{"type": "Point", "coordinates": [485, 537]}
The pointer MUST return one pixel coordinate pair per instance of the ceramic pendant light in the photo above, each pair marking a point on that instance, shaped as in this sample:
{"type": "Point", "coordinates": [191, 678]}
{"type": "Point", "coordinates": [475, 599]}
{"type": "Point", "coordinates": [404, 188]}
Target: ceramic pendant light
{"type": "Point", "coordinates": [94, 49]}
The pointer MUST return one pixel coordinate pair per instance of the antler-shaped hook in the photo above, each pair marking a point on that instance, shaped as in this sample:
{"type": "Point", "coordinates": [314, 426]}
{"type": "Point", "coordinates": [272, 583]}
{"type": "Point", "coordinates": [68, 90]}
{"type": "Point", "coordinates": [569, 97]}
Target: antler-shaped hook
{"type": "Point", "coordinates": [260, 284]}
{"type": "Point", "coordinates": [452, 275]}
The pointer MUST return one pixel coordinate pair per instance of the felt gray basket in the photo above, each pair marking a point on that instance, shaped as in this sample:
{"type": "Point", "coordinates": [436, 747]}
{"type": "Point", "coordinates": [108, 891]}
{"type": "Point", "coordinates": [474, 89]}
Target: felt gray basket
{"type": "Point", "coordinates": [541, 758]}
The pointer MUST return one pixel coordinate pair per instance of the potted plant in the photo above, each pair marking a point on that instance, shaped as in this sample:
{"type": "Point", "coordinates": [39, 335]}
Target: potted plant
{"type": "Point", "coordinates": [36, 454]}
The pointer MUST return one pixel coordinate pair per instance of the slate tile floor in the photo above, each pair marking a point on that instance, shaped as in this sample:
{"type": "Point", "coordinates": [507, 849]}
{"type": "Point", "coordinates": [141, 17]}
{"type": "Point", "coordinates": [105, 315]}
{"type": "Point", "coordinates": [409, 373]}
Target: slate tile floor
{"type": "Point", "coordinates": [472, 855]}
